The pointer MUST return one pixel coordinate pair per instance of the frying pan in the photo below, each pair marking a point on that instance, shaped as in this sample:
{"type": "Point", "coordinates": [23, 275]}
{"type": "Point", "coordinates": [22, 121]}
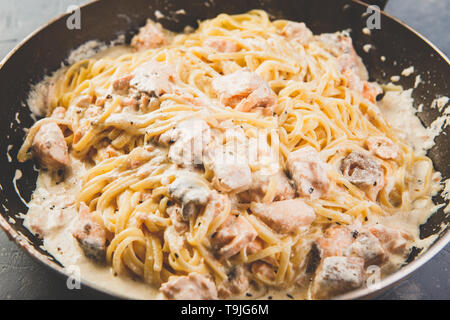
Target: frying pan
{"type": "Point", "coordinates": [44, 51]}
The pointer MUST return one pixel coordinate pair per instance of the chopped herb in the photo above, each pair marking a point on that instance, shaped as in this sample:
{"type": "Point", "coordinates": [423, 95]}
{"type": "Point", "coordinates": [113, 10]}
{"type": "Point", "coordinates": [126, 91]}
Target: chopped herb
{"type": "Point", "coordinates": [269, 297]}
{"type": "Point", "coordinates": [248, 294]}
{"type": "Point", "coordinates": [355, 234]}
{"type": "Point", "coordinates": [289, 296]}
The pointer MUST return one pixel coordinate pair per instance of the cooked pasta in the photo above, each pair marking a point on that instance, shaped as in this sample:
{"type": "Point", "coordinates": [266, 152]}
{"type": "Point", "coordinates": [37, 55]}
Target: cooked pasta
{"type": "Point", "coordinates": [232, 152]}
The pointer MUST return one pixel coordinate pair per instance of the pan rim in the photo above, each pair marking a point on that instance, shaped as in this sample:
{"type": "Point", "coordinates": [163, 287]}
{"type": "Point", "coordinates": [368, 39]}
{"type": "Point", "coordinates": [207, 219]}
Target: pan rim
{"type": "Point", "coordinates": [384, 284]}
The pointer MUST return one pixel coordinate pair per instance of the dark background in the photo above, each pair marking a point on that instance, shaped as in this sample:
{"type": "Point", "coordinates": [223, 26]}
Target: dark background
{"type": "Point", "coordinates": [21, 277]}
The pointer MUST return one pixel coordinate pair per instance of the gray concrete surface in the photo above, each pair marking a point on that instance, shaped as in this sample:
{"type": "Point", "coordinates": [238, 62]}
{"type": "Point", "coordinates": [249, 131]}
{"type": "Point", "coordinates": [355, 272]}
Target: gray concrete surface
{"type": "Point", "coordinates": [23, 278]}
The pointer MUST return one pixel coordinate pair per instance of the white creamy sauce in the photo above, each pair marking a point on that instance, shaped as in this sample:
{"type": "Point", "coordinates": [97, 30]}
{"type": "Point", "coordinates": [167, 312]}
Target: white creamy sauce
{"type": "Point", "coordinates": [18, 176]}
{"type": "Point", "coordinates": [37, 99]}
{"type": "Point", "coordinates": [158, 14]}
{"type": "Point", "coordinates": [397, 107]}
{"type": "Point", "coordinates": [439, 103]}
{"type": "Point", "coordinates": [8, 149]}
{"type": "Point", "coordinates": [17, 118]}
{"type": "Point", "coordinates": [408, 71]}
{"type": "Point", "coordinates": [367, 47]}
{"type": "Point", "coordinates": [91, 48]}
{"type": "Point", "coordinates": [417, 81]}
{"type": "Point", "coordinates": [85, 51]}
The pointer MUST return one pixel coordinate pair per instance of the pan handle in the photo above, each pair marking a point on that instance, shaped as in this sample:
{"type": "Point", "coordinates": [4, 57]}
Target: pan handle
{"type": "Point", "coordinates": [380, 3]}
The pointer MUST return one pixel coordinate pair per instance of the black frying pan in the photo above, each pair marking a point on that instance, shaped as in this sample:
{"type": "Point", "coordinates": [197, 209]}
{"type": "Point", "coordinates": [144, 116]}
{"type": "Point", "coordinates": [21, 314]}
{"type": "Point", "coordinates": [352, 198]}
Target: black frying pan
{"type": "Point", "coordinates": [104, 20]}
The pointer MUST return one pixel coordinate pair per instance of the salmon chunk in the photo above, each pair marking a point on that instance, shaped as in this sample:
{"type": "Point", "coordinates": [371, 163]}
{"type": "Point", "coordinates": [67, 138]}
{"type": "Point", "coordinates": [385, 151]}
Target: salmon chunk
{"type": "Point", "coordinates": [175, 214]}
{"type": "Point", "coordinates": [90, 235]}
{"type": "Point", "coordinates": [369, 248]}
{"type": "Point", "coordinates": [351, 241]}
{"type": "Point", "coordinates": [233, 235]}
{"type": "Point", "coordinates": [284, 189]}
{"type": "Point", "coordinates": [187, 128]}
{"type": "Point", "coordinates": [364, 172]}
{"type": "Point", "coordinates": [236, 283]}
{"type": "Point", "coordinates": [383, 147]}
{"type": "Point", "coordinates": [152, 78]}
{"type": "Point", "coordinates": [335, 242]}
{"type": "Point", "coordinates": [245, 91]}
{"type": "Point", "coordinates": [308, 172]}
{"type": "Point", "coordinates": [188, 141]}
{"type": "Point", "coordinates": [231, 176]}
{"type": "Point", "coordinates": [121, 85]}
{"type": "Point", "coordinates": [192, 287]}
{"type": "Point", "coordinates": [284, 216]}
{"type": "Point", "coordinates": [50, 147]}
{"type": "Point", "coordinates": [217, 203]}
{"type": "Point", "coordinates": [395, 241]}
{"type": "Point", "coordinates": [221, 45]}
{"type": "Point", "coordinates": [337, 275]}
{"type": "Point", "coordinates": [150, 36]}
{"type": "Point", "coordinates": [297, 31]}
